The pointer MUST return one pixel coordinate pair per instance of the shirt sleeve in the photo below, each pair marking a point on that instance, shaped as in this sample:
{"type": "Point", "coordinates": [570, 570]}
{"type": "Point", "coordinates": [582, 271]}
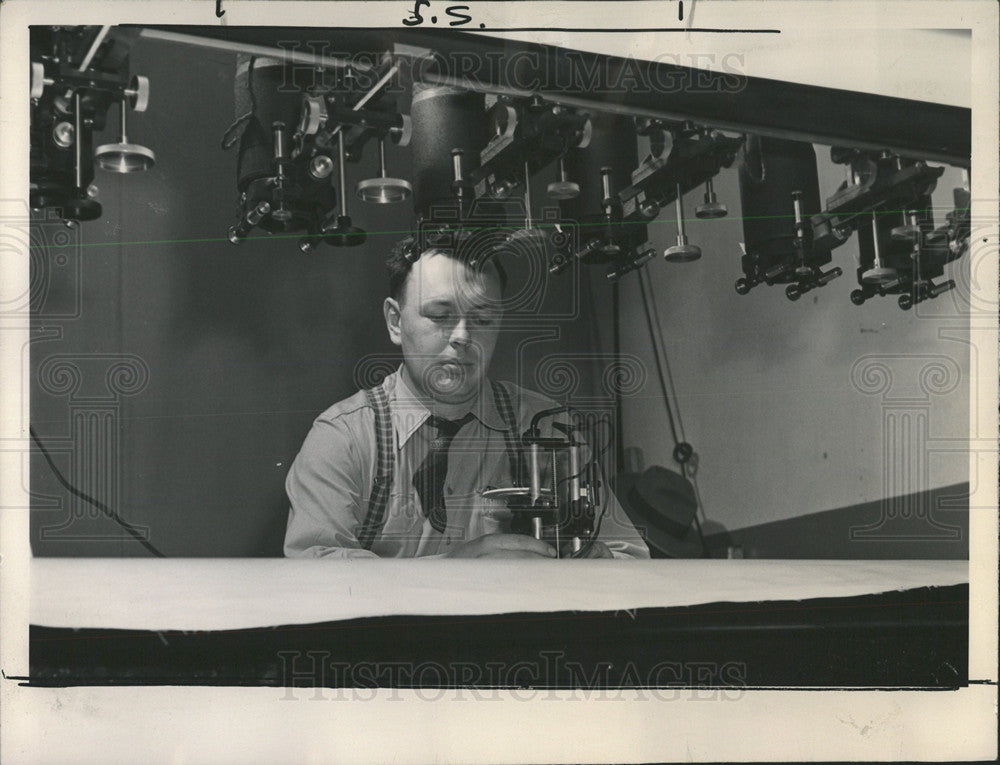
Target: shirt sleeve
{"type": "Point", "coordinates": [325, 487]}
{"type": "Point", "coordinates": [617, 530]}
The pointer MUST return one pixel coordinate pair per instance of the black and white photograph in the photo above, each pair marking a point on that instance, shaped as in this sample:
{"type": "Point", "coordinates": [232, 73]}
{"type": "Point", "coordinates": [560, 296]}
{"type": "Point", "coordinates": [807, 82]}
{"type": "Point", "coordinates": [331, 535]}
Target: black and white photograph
{"type": "Point", "coordinates": [680, 318]}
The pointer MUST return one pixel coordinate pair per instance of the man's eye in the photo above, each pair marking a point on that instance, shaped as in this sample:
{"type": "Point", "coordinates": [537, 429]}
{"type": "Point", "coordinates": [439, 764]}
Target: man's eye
{"type": "Point", "coordinates": [483, 320]}
{"type": "Point", "coordinates": [437, 316]}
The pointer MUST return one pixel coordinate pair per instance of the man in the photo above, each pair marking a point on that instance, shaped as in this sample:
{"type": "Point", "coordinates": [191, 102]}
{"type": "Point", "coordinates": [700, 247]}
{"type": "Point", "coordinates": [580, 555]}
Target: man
{"type": "Point", "coordinates": [399, 471]}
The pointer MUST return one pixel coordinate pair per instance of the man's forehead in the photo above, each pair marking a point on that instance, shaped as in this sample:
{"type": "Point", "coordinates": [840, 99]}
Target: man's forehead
{"type": "Point", "coordinates": [436, 276]}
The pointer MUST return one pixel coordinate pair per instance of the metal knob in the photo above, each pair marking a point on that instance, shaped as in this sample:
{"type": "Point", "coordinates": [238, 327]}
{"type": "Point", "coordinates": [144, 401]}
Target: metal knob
{"type": "Point", "coordinates": [879, 273]}
{"type": "Point", "coordinates": [682, 252]}
{"type": "Point", "coordinates": [124, 157]}
{"type": "Point", "coordinates": [558, 264]}
{"type": "Point", "coordinates": [238, 233]}
{"type": "Point", "coordinates": [383, 190]}
{"type": "Point", "coordinates": [711, 207]}
{"type": "Point", "coordinates": [459, 184]}
{"type": "Point", "coordinates": [563, 188]}
{"type": "Point", "coordinates": [938, 289]}
{"type": "Point", "coordinates": [802, 269]}
{"type": "Point", "coordinates": [606, 191]}
{"type": "Point", "coordinates": [909, 231]}
{"type": "Point", "coordinates": [616, 272]}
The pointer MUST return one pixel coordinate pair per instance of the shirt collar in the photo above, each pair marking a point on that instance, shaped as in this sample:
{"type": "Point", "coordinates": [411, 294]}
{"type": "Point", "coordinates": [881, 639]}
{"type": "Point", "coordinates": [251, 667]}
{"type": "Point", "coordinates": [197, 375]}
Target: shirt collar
{"type": "Point", "coordinates": [409, 412]}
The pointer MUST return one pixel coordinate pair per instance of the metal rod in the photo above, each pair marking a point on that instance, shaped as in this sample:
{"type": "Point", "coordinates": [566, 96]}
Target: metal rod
{"type": "Point", "coordinates": [828, 137]}
{"type": "Point", "coordinates": [574, 472]}
{"type": "Point", "coordinates": [606, 184]}
{"type": "Point", "coordinates": [381, 157]}
{"type": "Point", "coordinates": [535, 475]}
{"type": "Point", "coordinates": [554, 483]}
{"type": "Point", "coordinates": [797, 206]}
{"type": "Point", "coordinates": [376, 87]}
{"type": "Point", "coordinates": [527, 197]}
{"type": "Point", "coordinates": [369, 95]}
{"type": "Point", "coordinates": [285, 55]}
{"type": "Point", "coordinates": [938, 289]}
{"type": "Point", "coordinates": [616, 349]}
{"type": "Point", "coordinates": [878, 250]}
{"type": "Point", "coordinates": [279, 141]}
{"type": "Point", "coordinates": [936, 132]}
{"type": "Point", "coordinates": [680, 212]}
{"type": "Point", "coordinates": [343, 174]}
{"type": "Point", "coordinates": [78, 139]}
{"type": "Point", "coordinates": [124, 136]}
{"type": "Point", "coordinates": [536, 526]}
{"type": "Point", "coordinates": [93, 49]}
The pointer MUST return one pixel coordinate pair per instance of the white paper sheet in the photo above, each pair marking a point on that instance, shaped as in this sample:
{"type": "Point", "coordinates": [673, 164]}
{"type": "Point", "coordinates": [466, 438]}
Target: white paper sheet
{"type": "Point", "coordinates": [215, 594]}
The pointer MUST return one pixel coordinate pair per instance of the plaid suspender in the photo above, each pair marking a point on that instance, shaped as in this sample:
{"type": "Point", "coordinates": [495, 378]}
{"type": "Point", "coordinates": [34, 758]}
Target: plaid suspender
{"type": "Point", "coordinates": [382, 483]}
{"type": "Point", "coordinates": [386, 464]}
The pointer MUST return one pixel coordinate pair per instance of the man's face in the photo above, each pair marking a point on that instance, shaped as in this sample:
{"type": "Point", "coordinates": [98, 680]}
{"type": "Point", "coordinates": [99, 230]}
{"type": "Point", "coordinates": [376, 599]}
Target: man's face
{"type": "Point", "coordinates": [446, 321]}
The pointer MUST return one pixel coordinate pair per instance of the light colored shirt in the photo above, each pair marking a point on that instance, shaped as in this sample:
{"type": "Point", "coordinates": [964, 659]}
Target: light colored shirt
{"type": "Point", "coordinates": [330, 480]}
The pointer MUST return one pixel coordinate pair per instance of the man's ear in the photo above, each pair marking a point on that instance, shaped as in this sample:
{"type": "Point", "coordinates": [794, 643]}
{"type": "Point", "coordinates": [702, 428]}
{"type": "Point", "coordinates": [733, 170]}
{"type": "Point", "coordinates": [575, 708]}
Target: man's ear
{"type": "Point", "coordinates": [390, 308]}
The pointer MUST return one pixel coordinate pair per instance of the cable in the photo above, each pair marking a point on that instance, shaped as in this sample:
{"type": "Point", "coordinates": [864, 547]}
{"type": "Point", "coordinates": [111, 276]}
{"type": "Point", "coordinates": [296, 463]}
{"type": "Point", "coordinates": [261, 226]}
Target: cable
{"type": "Point", "coordinates": [657, 343]}
{"type": "Point", "coordinates": [90, 500]}
{"type": "Point", "coordinates": [666, 361]}
{"type": "Point", "coordinates": [587, 546]}
{"type": "Point", "coordinates": [656, 356]}
{"type": "Point", "coordinates": [595, 456]}
{"type": "Point", "coordinates": [704, 545]}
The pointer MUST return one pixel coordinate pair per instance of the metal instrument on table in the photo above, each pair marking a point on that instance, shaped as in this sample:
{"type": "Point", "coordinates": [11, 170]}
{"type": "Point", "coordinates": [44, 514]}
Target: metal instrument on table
{"type": "Point", "coordinates": [560, 501]}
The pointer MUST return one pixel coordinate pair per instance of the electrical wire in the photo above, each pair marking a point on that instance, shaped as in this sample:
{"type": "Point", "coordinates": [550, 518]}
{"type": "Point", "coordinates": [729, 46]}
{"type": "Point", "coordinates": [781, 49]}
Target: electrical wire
{"type": "Point", "coordinates": [90, 500]}
{"type": "Point", "coordinates": [669, 393]}
{"type": "Point", "coordinates": [587, 546]}
{"type": "Point", "coordinates": [656, 356]}
{"type": "Point", "coordinates": [666, 360]}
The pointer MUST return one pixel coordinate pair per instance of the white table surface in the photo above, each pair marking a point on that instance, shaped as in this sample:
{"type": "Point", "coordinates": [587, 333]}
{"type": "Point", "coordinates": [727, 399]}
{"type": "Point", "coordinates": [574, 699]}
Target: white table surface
{"type": "Point", "coordinates": [217, 594]}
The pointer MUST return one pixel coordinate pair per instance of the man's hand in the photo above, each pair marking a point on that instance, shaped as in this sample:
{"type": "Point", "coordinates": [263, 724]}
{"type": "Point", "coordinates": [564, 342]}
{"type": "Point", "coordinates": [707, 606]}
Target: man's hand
{"type": "Point", "coordinates": [598, 550]}
{"type": "Point", "coordinates": [502, 546]}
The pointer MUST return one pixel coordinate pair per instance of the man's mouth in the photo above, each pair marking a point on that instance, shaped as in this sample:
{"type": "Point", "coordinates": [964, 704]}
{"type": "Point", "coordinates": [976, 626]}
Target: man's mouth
{"type": "Point", "coordinates": [447, 376]}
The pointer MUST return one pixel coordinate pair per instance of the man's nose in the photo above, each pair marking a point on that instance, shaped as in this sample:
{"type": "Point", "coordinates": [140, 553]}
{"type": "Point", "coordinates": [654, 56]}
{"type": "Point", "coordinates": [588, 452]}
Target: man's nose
{"type": "Point", "coordinates": [460, 333]}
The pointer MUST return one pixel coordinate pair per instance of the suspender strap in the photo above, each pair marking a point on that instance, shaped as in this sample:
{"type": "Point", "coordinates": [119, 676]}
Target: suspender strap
{"type": "Point", "coordinates": [385, 466]}
{"type": "Point", "coordinates": [386, 459]}
{"type": "Point", "coordinates": [510, 437]}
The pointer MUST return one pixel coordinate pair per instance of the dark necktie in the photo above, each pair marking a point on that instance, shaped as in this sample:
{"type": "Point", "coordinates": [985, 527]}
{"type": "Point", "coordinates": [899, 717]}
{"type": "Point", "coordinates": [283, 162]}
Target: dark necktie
{"type": "Point", "coordinates": [428, 479]}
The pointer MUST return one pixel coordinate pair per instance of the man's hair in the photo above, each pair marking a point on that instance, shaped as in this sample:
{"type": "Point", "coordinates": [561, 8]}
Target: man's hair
{"type": "Point", "coordinates": [407, 251]}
